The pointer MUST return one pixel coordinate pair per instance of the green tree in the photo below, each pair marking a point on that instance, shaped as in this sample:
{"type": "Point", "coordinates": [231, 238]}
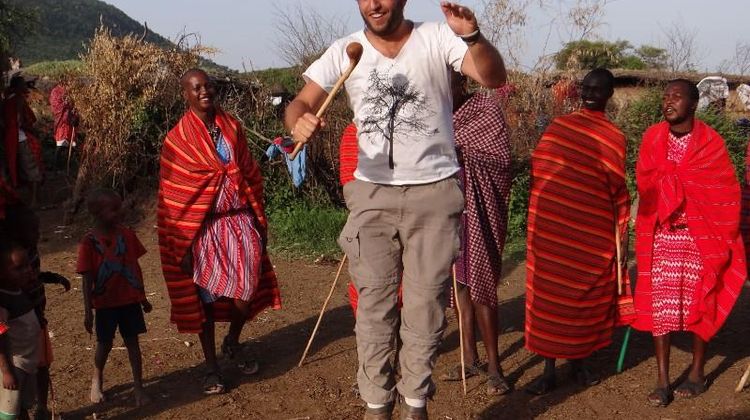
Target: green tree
{"type": "Point", "coordinates": [587, 54]}
{"type": "Point", "coordinates": [16, 21]}
{"type": "Point", "coordinates": [652, 57]}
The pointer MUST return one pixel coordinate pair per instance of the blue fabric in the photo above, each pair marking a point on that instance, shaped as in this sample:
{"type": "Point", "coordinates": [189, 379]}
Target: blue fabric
{"type": "Point", "coordinates": [297, 168]}
{"type": "Point", "coordinates": [222, 149]}
{"type": "Point", "coordinates": [109, 267]}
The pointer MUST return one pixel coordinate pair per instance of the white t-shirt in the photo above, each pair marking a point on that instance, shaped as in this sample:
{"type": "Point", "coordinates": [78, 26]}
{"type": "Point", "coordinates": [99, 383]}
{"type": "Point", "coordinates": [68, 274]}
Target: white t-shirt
{"type": "Point", "coordinates": [405, 101]}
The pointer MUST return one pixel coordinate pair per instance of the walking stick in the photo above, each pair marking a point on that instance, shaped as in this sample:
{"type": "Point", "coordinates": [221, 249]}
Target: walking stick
{"type": "Point", "coordinates": [743, 380]}
{"type": "Point", "coordinates": [70, 150]}
{"type": "Point", "coordinates": [322, 310]}
{"type": "Point", "coordinates": [460, 328]}
{"type": "Point", "coordinates": [52, 395]}
{"type": "Point", "coordinates": [354, 52]}
{"type": "Point", "coordinates": [626, 338]}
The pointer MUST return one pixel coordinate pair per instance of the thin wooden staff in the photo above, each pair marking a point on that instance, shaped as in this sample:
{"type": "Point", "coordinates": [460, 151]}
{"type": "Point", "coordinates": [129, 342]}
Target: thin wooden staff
{"type": "Point", "coordinates": [743, 380]}
{"type": "Point", "coordinates": [618, 248]}
{"type": "Point", "coordinates": [460, 327]}
{"type": "Point", "coordinates": [70, 149]}
{"type": "Point", "coordinates": [322, 310]}
{"type": "Point", "coordinates": [354, 52]}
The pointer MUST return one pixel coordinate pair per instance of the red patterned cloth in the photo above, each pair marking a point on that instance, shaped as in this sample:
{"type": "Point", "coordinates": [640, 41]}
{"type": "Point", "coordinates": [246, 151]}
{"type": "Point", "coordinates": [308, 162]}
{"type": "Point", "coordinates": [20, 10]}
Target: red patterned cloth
{"type": "Point", "coordinates": [64, 114]}
{"type": "Point", "coordinates": [348, 154]}
{"type": "Point", "coordinates": [483, 148]}
{"type": "Point", "coordinates": [226, 252]}
{"type": "Point", "coordinates": [191, 175]}
{"type": "Point", "coordinates": [17, 115]}
{"type": "Point", "coordinates": [745, 214]}
{"type": "Point", "coordinates": [703, 186]}
{"type": "Point", "coordinates": [677, 264]}
{"type": "Point", "coordinates": [578, 198]}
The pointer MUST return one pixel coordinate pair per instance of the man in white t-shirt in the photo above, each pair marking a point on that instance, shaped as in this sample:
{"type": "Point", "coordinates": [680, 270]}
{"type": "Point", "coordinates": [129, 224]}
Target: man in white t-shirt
{"type": "Point", "coordinates": [405, 201]}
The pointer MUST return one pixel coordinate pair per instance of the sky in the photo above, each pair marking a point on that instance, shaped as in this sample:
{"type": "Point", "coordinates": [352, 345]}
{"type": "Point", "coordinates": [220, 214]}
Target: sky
{"type": "Point", "coordinates": [245, 31]}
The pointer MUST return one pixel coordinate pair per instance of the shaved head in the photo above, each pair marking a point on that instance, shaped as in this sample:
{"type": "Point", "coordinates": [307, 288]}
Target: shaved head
{"type": "Point", "coordinates": [195, 71]}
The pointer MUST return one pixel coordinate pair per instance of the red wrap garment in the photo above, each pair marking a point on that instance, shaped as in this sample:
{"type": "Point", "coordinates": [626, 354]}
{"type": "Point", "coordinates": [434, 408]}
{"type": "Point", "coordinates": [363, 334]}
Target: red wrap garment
{"type": "Point", "coordinates": [191, 174]}
{"type": "Point", "coordinates": [704, 185]}
{"type": "Point", "coordinates": [11, 121]}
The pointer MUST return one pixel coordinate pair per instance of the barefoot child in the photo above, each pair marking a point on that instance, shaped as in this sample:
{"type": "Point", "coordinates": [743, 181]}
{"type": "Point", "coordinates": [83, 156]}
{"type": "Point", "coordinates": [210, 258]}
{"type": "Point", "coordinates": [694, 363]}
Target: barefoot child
{"type": "Point", "coordinates": [22, 225]}
{"type": "Point", "coordinates": [113, 288]}
{"type": "Point", "coordinates": [19, 333]}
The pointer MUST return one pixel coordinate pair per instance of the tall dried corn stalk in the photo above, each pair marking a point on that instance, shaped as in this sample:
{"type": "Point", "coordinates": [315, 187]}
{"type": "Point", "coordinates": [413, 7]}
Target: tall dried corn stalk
{"type": "Point", "coordinates": [128, 98]}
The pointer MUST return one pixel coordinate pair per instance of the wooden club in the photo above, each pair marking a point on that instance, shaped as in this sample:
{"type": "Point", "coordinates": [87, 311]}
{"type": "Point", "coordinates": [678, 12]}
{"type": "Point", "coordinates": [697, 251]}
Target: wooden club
{"type": "Point", "coordinates": [354, 52]}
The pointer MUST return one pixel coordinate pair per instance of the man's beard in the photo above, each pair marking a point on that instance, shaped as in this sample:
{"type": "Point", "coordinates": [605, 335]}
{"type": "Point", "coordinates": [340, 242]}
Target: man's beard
{"type": "Point", "coordinates": [396, 17]}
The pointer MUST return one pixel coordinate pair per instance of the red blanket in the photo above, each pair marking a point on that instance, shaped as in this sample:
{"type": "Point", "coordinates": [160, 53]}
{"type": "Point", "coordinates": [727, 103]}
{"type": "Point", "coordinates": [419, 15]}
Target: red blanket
{"type": "Point", "coordinates": [191, 174]}
{"type": "Point", "coordinates": [11, 122]}
{"type": "Point", "coordinates": [706, 185]}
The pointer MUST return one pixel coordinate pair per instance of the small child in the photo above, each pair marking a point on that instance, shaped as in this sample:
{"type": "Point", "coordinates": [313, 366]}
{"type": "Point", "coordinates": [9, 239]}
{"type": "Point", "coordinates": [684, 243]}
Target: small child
{"type": "Point", "coordinates": [113, 287]}
{"type": "Point", "coordinates": [22, 225]}
{"type": "Point", "coordinates": [19, 333]}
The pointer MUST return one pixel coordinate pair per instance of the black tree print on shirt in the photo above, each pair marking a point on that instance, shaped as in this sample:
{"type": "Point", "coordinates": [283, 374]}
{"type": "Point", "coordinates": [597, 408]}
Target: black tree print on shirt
{"type": "Point", "coordinates": [395, 107]}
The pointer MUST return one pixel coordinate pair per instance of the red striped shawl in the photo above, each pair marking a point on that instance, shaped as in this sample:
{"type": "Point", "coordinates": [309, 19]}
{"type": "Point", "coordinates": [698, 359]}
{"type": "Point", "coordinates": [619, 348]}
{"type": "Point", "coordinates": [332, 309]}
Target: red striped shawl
{"type": "Point", "coordinates": [191, 174]}
{"type": "Point", "coordinates": [705, 182]}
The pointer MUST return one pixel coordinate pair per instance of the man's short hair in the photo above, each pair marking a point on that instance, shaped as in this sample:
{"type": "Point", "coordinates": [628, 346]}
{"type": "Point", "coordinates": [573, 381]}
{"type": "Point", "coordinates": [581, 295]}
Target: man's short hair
{"type": "Point", "coordinates": [95, 198]}
{"type": "Point", "coordinates": [606, 75]}
{"type": "Point", "coordinates": [693, 92]}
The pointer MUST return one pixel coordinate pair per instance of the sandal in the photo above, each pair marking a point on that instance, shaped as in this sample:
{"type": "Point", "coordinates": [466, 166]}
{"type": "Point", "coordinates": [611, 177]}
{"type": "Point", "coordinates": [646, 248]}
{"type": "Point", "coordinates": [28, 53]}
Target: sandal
{"type": "Point", "coordinates": [248, 366]}
{"type": "Point", "coordinates": [542, 385]}
{"type": "Point", "coordinates": [454, 374]}
{"type": "Point", "coordinates": [584, 377]}
{"type": "Point", "coordinates": [660, 397]}
{"type": "Point", "coordinates": [689, 389]}
{"type": "Point", "coordinates": [497, 385]}
{"type": "Point", "coordinates": [213, 384]}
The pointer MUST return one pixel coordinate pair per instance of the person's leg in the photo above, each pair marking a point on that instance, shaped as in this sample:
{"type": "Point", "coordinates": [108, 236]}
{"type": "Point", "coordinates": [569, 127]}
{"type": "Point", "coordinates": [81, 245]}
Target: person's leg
{"type": "Point", "coordinates": [661, 396]}
{"type": "Point", "coordinates": [471, 356]}
{"type": "Point", "coordinates": [582, 374]}
{"type": "Point", "coordinates": [373, 247]}
{"type": "Point", "coordinates": [545, 383]}
{"type": "Point", "coordinates": [429, 231]}
{"type": "Point", "coordinates": [100, 359]}
{"type": "Point", "coordinates": [697, 375]}
{"type": "Point", "coordinates": [136, 366]}
{"type": "Point", "coordinates": [208, 339]}
{"type": "Point", "coordinates": [42, 388]}
{"type": "Point", "coordinates": [240, 313]}
{"type": "Point", "coordinates": [696, 381]}
{"type": "Point", "coordinates": [105, 323]}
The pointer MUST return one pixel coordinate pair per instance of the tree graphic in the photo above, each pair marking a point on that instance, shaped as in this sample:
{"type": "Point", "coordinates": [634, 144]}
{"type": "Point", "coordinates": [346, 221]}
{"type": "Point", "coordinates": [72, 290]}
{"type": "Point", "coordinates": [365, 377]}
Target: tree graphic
{"type": "Point", "coordinates": [395, 107]}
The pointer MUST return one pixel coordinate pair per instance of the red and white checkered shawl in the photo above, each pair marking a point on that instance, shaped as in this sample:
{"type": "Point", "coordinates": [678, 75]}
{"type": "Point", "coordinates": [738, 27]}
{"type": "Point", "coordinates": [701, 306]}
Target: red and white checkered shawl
{"type": "Point", "coordinates": [483, 147]}
{"type": "Point", "coordinates": [704, 183]}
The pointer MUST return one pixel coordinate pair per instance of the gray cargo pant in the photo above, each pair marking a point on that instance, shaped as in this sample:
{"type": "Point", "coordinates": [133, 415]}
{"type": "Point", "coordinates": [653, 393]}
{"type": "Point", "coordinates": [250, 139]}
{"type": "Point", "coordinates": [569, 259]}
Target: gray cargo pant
{"type": "Point", "coordinates": [395, 230]}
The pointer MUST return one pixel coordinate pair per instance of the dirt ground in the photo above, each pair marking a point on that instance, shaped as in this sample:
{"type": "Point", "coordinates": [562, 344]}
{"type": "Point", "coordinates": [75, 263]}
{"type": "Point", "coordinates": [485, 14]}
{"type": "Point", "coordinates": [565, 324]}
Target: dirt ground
{"type": "Point", "coordinates": [322, 388]}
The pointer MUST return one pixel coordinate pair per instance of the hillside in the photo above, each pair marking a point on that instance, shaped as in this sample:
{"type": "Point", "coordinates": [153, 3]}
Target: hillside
{"type": "Point", "coordinates": [65, 27]}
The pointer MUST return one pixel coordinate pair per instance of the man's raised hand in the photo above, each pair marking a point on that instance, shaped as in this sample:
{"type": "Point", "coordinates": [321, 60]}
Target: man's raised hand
{"type": "Point", "coordinates": [459, 18]}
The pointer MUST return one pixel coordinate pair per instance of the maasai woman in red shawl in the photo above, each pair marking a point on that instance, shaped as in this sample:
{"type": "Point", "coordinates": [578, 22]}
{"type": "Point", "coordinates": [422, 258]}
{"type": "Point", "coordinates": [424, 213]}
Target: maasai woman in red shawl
{"type": "Point", "coordinates": [23, 151]}
{"type": "Point", "coordinates": [483, 149]}
{"type": "Point", "coordinates": [578, 198]}
{"type": "Point", "coordinates": [691, 260]}
{"type": "Point", "coordinates": [212, 227]}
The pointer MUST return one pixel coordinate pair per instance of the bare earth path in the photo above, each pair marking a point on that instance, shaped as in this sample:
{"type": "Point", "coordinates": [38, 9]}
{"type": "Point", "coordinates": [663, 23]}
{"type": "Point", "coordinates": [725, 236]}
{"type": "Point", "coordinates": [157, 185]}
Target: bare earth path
{"type": "Point", "coordinates": [322, 388]}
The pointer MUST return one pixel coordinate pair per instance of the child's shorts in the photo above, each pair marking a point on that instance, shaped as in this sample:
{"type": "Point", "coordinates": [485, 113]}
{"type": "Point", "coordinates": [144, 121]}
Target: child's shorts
{"type": "Point", "coordinates": [128, 318]}
{"type": "Point", "coordinates": [45, 346]}
{"type": "Point", "coordinates": [13, 401]}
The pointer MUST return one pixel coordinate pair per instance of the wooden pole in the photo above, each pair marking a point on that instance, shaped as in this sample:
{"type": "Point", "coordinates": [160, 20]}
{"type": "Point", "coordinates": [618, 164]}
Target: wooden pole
{"type": "Point", "coordinates": [460, 327]}
{"type": "Point", "coordinates": [70, 149]}
{"type": "Point", "coordinates": [322, 310]}
{"type": "Point", "coordinates": [743, 380]}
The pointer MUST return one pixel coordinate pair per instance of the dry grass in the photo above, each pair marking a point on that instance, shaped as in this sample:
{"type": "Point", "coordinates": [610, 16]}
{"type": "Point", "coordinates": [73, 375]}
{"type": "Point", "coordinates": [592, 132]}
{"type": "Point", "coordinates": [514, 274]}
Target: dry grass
{"type": "Point", "coordinates": [124, 83]}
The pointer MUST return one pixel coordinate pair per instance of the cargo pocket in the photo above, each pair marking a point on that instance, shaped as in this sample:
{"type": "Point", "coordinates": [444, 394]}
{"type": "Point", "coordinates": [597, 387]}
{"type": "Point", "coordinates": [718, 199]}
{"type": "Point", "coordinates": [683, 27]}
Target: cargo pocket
{"type": "Point", "coordinates": [349, 240]}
